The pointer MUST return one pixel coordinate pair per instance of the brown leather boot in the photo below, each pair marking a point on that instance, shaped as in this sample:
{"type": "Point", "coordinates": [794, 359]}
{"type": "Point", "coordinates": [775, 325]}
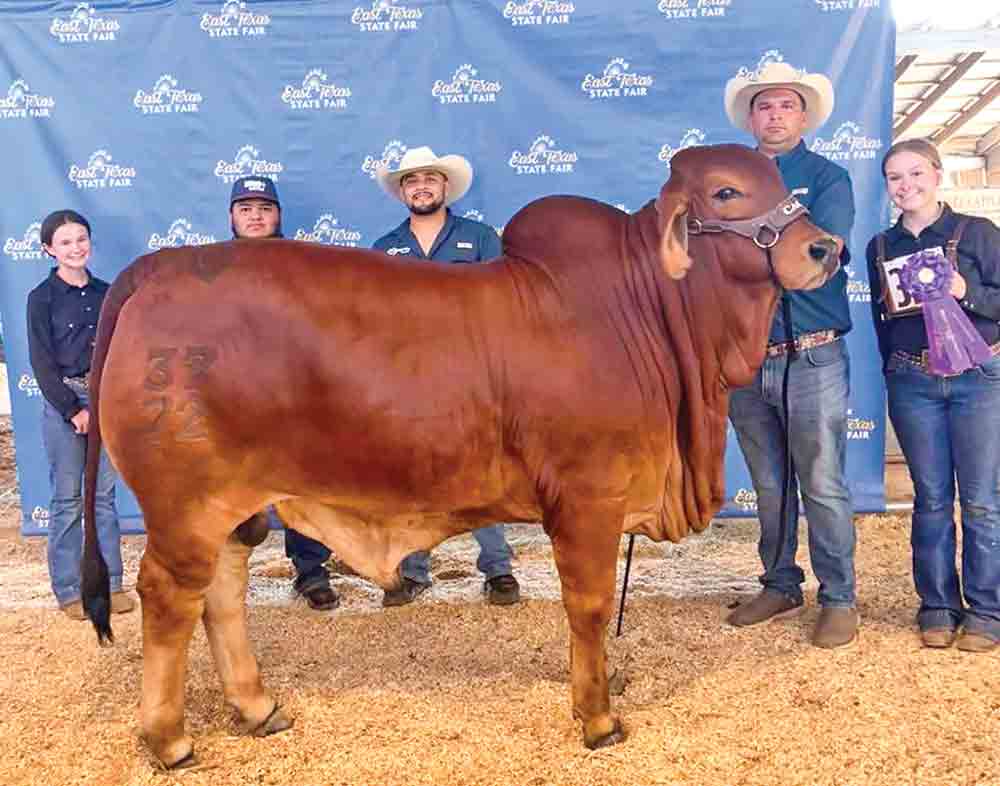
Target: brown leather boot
{"type": "Point", "coordinates": [836, 627]}
{"type": "Point", "coordinates": [121, 602]}
{"type": "Point", "coordinates": [74, 611]}
{"type": "Point", "coordinates": [765, 605]}
{"type": "Point", "coordinates": [976, 642]}
{"type": "Point", "coordinates": [938, 638]}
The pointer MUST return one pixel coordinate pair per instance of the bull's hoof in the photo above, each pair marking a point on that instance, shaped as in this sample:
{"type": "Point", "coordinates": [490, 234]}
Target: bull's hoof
{"type": "Point", "coordinates": [186, 763]}
{"type": "Point", "coordinates": [178, 755]}
{"type": "Point", "coordinates": [616, 735]}
{"type": "Point", "coordinates": [272, 724]}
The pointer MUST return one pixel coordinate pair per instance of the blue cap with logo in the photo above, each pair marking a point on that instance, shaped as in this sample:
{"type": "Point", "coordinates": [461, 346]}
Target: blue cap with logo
{"type": "Point", "coordinates": [254, 187]}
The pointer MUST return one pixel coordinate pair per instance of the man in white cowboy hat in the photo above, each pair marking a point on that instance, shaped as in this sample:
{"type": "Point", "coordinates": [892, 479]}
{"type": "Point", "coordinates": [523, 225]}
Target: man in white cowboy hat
{"type": "Point", "coordinates": [427, 185]}
{"type": "Point", "coordinates": [778, 104]}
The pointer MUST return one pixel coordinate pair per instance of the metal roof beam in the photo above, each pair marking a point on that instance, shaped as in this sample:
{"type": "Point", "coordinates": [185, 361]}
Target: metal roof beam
{"type": "Point", "coordinates": [948, 130]}
{"type": "Point", "coordinates": [988, 142]}
{"type": "Point", "coordinates": [904, 62]}
{"type": "Point", "coordinates": [926, 102]}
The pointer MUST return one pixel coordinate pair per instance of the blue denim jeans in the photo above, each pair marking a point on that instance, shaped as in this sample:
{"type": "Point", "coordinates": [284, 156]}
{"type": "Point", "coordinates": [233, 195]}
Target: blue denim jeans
{"type": "Point", "coordinates": [308, 556]}
{"type": "Point", "coordinates": [816, 420]}
{"type": "Point", "coordinates": [494, 557]}
{"type": "Point", "coordinates": [949, 430]}
{"type": "Point", "coordinates": [67, 452]}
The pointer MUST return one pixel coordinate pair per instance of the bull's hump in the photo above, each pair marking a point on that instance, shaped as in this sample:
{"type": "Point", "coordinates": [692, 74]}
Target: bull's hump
{"type": "Point", "coordinates": [561, 225]}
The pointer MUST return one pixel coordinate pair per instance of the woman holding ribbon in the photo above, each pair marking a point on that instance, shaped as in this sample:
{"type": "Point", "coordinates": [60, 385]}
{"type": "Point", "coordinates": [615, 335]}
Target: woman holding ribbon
{"type": "Point", "coordinates": [62, 324]}
{"type": "Point", "coordinates": [938, 333]}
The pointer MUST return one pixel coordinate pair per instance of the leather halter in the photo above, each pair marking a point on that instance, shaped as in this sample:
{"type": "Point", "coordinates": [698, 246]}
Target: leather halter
{"type": "Point", "coordinates": [765, 230]}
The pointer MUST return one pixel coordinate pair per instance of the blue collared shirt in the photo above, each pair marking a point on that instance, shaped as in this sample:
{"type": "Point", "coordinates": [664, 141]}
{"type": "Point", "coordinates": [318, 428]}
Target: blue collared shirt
{"type": "Point", "coordinates": [460, 240]}
{"type": "Point", "coordinates": [825, 189]}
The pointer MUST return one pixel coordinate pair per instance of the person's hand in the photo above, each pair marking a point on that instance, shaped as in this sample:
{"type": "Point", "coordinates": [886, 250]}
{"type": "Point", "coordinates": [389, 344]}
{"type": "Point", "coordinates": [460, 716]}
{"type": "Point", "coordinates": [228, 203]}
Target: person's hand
{"type": "Point", "coordinates": [81, 421]}
{"type": "Point", "coordinates": [958, 287]}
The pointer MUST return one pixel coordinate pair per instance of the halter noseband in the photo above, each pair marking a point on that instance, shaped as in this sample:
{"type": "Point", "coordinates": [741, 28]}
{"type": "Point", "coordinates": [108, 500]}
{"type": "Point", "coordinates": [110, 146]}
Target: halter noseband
{"type": "Point", "coordinates": [765, 230]}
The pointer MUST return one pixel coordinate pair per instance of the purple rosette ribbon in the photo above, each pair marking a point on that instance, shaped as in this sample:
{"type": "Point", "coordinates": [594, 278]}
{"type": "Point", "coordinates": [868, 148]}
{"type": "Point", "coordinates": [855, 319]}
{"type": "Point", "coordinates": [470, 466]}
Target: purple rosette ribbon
{"type": "Point", "coordinates": [954, 344]}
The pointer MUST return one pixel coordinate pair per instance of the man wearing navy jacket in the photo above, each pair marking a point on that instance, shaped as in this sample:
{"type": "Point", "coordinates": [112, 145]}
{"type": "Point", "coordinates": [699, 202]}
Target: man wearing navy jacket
{"type": "Point", "coordinates": [427, 184]}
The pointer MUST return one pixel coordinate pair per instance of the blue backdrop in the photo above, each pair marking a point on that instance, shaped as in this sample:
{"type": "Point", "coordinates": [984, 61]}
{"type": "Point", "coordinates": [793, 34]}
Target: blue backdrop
{"type": "Point", "coordinates": [139, 114]}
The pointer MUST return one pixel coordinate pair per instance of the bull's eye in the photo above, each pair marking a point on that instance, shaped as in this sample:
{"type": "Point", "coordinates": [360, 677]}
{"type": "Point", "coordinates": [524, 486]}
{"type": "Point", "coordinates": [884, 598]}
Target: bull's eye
{"type": "Point", "coordinates": [725, 194]}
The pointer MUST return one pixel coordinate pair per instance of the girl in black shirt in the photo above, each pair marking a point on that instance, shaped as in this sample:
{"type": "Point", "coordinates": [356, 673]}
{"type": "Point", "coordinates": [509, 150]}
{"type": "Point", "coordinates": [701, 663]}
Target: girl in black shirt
{"type": "Point", "coordinates": [62, 324]}
{"type": "Point", "coordinates": [948, 426]}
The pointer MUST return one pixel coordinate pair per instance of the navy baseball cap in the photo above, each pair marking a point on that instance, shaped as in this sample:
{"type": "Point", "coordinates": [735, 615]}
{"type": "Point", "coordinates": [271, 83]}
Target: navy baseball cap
{"type": "Point", "coordinates": [254, 188]}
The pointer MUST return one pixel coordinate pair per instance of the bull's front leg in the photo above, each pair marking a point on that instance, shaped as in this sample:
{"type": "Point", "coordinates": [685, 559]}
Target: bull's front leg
{"type": "Point", "coordinates": [172, 603]}
{"type": "Point", "coordinates": [585, 545]}
{"type": "Point", "coordinates": [226, 628]}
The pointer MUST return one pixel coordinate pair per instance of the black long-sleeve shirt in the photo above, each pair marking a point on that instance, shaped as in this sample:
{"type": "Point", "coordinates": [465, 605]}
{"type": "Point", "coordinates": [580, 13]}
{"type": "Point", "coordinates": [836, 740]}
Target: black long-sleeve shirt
{"type": "Point", "coordinates": [978, 263]}
{"type": "Point", "coordinates": [62, 326]}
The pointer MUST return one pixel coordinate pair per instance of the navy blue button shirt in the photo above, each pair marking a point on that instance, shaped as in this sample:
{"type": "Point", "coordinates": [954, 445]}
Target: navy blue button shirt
{"type": "Point", "coordinates": [62, 326]}
{"type": "Point", "coordinates": [825, 189]}
{"type": "Point", "coordinates": [978, 262]}
{"type": "Point", "coordinates": [460, 240]}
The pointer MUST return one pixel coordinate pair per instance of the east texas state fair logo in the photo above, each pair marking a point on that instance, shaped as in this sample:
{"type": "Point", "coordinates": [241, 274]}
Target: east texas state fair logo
{"type": "Point", "coordinates": [101, 172]}
{"type": "Point", "coordinates": [693, 9]}
{"type": "Point", "coordinates": [166, 97]}
{"type": "Point", "coordinates": [247, 161]}
{"type": "Point", "coordinates": [858, 290]}
{"type": "Point", "coordinates": [391, 156]}
{"type": "Point", "coordinates": [543, 158]}
{"type": "Point", "coordinates": [28, 248]}
{"type": "Point", "coordinates": [386, 15]}
{"type": "Point", "coordinates": [746, 499]}
{"type": "Point", "coordinates": [859, 428]}
{"type": "Point", "coordinates": [845, 5]}
{"type": "Point", "coordinates": [327, 230]}
{"type": "Point", "coordinates": [477, 215]}
{"type": "Point", "coordinates": [234, 20]}
{"type": "Point", "coordinates": [616, 81]}
{"type": "Point", "coordinates": [692, 137]}
{"type": "Point", "coordinates": [847, 144]}
{"type": "Point", "coordinates": [28, 385]}
{"type": "Point", "coordinates": [21, 102]}
{"type": "Point", "coordinates": [316, 93]}
{"type": "Point", "coordinates": [179, 234]}
{"type": "Point", "coordinates": [466, 87]}
{"type": "Point", "coordinates": [769, 57]}
{"type": "Point", "coordinates": [538, 12]}
{"type": "Point", "coordinates": [83, 24]}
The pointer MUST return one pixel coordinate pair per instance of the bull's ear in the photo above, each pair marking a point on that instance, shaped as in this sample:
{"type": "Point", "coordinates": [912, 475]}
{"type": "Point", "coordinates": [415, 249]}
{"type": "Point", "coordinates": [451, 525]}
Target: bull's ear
{"type": "Point", "coordinates": [673, 209]}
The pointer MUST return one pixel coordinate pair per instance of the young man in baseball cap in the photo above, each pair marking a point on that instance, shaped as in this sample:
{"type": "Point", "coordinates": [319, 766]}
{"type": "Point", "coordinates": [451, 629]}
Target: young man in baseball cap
{"type": "Point", "coordinates": [255, 212]}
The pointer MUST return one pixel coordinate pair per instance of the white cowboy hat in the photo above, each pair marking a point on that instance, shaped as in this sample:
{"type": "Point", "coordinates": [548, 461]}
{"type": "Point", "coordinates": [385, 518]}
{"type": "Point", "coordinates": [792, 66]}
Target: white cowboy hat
{"type": "Point", "coordinates": [455, 168]}
{"type": "Point", "coordinates": [816, 89]}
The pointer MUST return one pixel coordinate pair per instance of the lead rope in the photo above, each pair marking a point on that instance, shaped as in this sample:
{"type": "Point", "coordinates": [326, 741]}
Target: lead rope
{"type": "Point", "coordinates": [789, 464]}
{"type": "Point", "coordinates": [628, 565]}
{"type": "Point", "coordinates": [786, 488]}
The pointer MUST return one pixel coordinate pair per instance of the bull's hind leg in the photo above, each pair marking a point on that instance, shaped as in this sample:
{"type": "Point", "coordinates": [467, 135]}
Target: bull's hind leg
{"type": "Point", "coordinates": [172, 592]}
{"type": "Point", "coordinates": [585, 546]}
{"type": "Point", "coordinates": [226, 628]}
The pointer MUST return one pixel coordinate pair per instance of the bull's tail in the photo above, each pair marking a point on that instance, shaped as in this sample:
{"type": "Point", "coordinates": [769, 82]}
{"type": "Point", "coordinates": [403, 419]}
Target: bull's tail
{"type": "Point", "coordinates": [95, 589]}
